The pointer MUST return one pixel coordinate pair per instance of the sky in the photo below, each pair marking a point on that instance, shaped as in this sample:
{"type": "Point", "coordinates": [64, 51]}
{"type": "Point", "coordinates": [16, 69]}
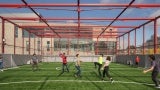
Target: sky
{"type": "Point", "coordinates": [94, 12]}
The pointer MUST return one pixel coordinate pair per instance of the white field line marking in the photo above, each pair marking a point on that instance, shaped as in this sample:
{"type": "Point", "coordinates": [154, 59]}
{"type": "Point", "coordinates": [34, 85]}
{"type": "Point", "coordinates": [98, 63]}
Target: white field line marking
{"type": "Point", "coordinates": [10, 68]}
{"type": "Point", "coordinates": [80, 81]}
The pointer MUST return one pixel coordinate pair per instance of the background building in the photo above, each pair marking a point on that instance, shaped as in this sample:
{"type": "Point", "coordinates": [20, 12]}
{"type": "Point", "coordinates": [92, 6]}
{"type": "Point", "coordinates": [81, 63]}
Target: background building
{"type": "Point", "coordinates": [23, 41]}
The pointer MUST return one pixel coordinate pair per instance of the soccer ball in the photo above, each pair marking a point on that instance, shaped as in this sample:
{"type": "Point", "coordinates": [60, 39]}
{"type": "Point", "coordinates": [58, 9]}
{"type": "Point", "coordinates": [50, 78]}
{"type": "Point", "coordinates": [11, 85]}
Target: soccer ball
{"type": "Point", "coordinates": [58, 68]}
{"type": "Point", "coordinates": [102, 69]}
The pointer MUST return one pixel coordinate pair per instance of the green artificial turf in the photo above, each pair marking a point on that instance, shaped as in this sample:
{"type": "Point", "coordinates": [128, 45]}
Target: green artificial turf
{"type": "Point", "coordinates": [48, 78]}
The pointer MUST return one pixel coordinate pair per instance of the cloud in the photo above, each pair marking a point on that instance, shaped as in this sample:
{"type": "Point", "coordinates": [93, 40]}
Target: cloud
{"type": "Point", "coordinates": [70, 21]}
{"type": "Point", "coordinates": [128, 11]}
{"type": "Point", "coordinates": [155, 14]}
{"type": "Point", "coordinates": [140, 1]}
{"type": "Point", "coordinates": [122, 1]}
{"type": "Point", "coordinates": [106, 1]}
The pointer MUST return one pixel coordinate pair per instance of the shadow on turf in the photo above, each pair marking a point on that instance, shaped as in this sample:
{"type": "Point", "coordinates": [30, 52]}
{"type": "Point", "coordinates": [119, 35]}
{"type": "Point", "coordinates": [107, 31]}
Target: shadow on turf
{"type": "Point", "coordinates": [43, 83]}
{"type": "Point", "coordinates": [129, 78]}
{"type": "Point", "coordinates": [65, 70]}
{"type": "Point", "coordinates": [95, 84]}
{"type": "Point", "coordinates": [93, 72]}
{"type": "Point", "coordinates": [60, 74]}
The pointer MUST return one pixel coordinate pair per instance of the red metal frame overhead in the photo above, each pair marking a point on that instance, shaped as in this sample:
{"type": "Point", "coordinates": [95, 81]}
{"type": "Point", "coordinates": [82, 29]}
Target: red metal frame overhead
{"type": "Point", "coordinates": [116, 18]}
{"type": "Point", "coordinates": [39, 17]}
{"type": "Point", "coordinates": [75, 5]}
{"type": "Point", "coordinates": [34, 19]}
{"type": "Point", "coordinates": [79, 29]}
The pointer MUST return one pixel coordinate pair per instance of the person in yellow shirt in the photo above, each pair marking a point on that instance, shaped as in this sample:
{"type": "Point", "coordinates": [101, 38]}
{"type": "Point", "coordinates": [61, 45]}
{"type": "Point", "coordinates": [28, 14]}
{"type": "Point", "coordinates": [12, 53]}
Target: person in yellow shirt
{"type": "Point", "coordinates": [99, 63]}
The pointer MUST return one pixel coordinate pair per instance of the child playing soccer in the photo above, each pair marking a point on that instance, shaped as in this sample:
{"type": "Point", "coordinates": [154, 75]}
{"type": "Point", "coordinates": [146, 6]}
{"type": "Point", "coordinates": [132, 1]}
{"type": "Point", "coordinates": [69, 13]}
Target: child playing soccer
{"type": "Point", "coordinates": [105, 68]}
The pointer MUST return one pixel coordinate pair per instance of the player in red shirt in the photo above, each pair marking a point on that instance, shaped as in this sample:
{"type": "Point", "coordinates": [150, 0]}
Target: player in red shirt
{"type": "Point", "coordinates": [137, 61]}
{"type": "Point", "coordinates": [64, 62]}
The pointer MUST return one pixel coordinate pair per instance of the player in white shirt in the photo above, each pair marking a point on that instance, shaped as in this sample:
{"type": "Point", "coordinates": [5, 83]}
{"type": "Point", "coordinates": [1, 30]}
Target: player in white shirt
{"type": "Point", "coordinates": [77, 66]}
{"type": "Point", "coordinates": [105, 68]}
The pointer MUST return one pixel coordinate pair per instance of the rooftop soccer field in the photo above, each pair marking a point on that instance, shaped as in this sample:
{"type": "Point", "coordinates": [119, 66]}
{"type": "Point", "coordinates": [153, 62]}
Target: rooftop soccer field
{"type": "Point", "coordinates": [48, 78]}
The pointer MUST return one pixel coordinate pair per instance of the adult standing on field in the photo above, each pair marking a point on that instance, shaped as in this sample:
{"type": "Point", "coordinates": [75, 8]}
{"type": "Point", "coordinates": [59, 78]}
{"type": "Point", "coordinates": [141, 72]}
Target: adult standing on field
{"type": "Point", "coordinates": [155, 68]}
{"type": "Point", "coordinates": [34, 62]}
{"type": "Point", "coordinates": [137, 61]}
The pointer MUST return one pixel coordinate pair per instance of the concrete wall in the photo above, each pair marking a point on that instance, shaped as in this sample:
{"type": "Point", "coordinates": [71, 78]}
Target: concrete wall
{"type": "Point", "coordinates": [10, 60]}
{"type": "Point", "coordinates": [72, 58]}
{"type": "Point", "coordinates": [144, 60]}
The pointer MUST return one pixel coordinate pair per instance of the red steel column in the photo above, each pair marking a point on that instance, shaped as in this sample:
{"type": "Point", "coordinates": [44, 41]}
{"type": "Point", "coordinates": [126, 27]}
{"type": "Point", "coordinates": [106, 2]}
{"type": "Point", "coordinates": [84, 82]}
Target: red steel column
{"type": "Point", "coordinates": [34, 44]}
{"type": "Point", "coordinates": [51, 46]}
{"type": "Point", "coordinates": [41, 46]}
{"type": "Point", "coordinates": [14, 39]}
{"type": "Point", "coordinates": [23, 43]}
{"type": "Point", "coordinates": [116, 46]}
{"type": "Point", "coordinates": [119, 46]}
{"type": "Point", "coordinates": [3, 36]}
{"type": "Point", "coordinates": [68, 47]}
{"type": "Point", "coordinates": [29, 43]}
{"type": "Point", "coordinates": [155, 36]}
{"type": "Point", "coordinates": [143, 40]}
{"type": "Point", "coordinates": [97, 46]}
{"type": "Point", "coordinates": [135, 41]}
{"type": "Point", "coordinates": [59, 46]}
{"type": "Point", "coordinates": [129, 43]}
{"type": "Point", "coordinates": [123, 43]}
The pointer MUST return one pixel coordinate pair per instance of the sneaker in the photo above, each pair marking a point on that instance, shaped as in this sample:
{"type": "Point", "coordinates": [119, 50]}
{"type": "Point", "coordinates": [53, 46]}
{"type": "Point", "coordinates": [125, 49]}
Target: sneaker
{"type": "Point", "coordinates": [75, 75]}
{"type": "Point", "coordinates": [112, 81]}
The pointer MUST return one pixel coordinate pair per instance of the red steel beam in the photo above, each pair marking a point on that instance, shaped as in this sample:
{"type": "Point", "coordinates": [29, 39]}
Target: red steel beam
{"type": "Point", "coordinates": [14, 5]}
{"type": "Point", "coordinates": [13, 23]}
{"type": "Point", "coordinates": [35, 19]}
{"type": "Point", "coordinates": [39, 16]}
{"type": "Point", "coordinates": [116, 18]}
{"type": "Point", "coordinates": [66, 35]}
{"type": "Point", "coordinates": [75, 36]}
{"type": "Point", "coordinates": [63, 26]}
{"type": "Point", "coordinates": [142, 25]}
{"type": "Point", "coordinates": [33, 31]}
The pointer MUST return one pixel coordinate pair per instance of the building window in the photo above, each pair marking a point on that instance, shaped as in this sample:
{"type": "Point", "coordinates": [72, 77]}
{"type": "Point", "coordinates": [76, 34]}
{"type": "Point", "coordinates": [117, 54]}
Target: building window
{"type": "Point", "coordinates": [24, 33]}
{"type": "Point", "coordinates": [16, 32]}
{"type": "Point", "coordinates": [27, 45]}
{"type": "Point", "coordinates": [48, 45]}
